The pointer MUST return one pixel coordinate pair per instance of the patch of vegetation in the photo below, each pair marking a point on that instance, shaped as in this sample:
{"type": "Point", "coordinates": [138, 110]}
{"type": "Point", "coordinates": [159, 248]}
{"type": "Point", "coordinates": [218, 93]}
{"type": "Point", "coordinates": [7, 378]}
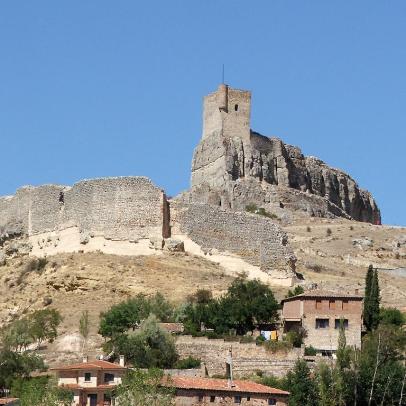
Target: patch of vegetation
{"type": "Point", "coordinates": [253, 208]}
{"type": "Point", "coordinates": [298, 290]}
{"type": "Point", "coordinates": [33, 265]}
{"type": "Point", "coordinates": [278, 346]}
{"type": "Point", "coordinates": [315, 268]}
{"type": "Point", "coordinates": [188, 363]}
{"type": "Point", "coordinates": [310, 351]}
{"type": "Point", "coordinates": [246, 304]}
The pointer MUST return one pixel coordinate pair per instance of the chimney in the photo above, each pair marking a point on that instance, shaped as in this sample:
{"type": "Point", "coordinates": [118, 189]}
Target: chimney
{"type": "Point", "coordinates": [85, 359]}
{"type": "Point", "coordinates": [203, 370]}
{"type": "Point", "coordinates": [229, 368]}
{"type": "Point", "coordinates": [122, 361]}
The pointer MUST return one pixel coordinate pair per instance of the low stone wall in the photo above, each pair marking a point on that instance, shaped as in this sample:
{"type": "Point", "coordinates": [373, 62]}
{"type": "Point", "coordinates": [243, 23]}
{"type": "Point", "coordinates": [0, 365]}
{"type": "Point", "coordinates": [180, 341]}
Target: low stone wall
{"type": "Point", "coordinates": [247, 358]}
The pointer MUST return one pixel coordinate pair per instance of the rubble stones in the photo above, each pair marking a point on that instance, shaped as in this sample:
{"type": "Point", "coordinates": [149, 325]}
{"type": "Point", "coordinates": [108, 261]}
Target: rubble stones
{"type": "Point", "coordinates": [172, 245]}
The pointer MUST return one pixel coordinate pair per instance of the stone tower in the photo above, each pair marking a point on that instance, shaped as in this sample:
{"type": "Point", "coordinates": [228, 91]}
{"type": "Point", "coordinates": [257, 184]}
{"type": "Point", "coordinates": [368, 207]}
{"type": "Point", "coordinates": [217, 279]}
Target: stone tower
{"type": "Point", "coordinates": [227, 112]}
{"type": "Point", "coordinates": [234, 166]}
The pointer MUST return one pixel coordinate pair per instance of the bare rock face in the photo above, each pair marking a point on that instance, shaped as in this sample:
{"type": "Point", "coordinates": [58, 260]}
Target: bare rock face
{"type": "Point", "coordinates": [234, 171]}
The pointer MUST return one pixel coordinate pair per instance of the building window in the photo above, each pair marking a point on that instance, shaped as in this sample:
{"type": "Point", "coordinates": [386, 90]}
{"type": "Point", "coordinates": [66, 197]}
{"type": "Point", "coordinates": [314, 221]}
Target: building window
{"type": "Point", "coordinates": [318, 304]}
{"type": "Point", "coordinates": [200, 398]}
{"type": "Point", "coordinates": [248, 398]}
{"type": "Point", "coordinates": [332, 304]}
{"type": "Point", "coordinates": [338, 322]}
{"type": "Point", "coordinates": [272, 401]}
{"type": "Point", "coordinates": [322, 323]}
{"type": "Point", "coordinates": [345, 305]}
{"type": "Point", "coordinates": [88, 376]}
{"type": "Point", "coordinates": [212, 399]}
{"type": "Point", "coordinates": [236, 107]}
{"type": "Point", "coordinates": [108, 378]}
{"type": "Point", "coordinates": [237, 399]}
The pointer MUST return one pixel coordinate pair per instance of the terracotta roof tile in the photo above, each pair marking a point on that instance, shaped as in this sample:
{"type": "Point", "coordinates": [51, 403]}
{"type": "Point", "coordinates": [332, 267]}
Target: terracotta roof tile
{"type": "Point", "coordinates": [185, 382]}
{"type": "Point", "coordinates": [7, 401]}
{"type": "Point", "coordinates": [317, 293]}
{"type": "Point", "coordinates": [97, 364]}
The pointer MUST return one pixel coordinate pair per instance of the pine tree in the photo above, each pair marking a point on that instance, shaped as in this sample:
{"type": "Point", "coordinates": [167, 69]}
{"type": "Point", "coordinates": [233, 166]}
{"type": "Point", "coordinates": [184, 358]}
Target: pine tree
{"type": "Point", "coordinates": [302, 388]}
{"type": "Point", "coordinates": [374, 300]}
{"type": "Point", "coordinates": [367, 315]}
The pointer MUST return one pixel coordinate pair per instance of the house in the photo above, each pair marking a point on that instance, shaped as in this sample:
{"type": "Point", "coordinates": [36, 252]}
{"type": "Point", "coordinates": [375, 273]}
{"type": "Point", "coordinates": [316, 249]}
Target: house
{"type": "Point", "coordinates": [91, 382]}
{"type": "Point", "coordinates": [320, 313]}
{"type": "Point", "coordinates": [10, 401]}
{"type": "Point", "coordinates": [193, 391]}
{"type": "Point", "coordinates": [172, 328]}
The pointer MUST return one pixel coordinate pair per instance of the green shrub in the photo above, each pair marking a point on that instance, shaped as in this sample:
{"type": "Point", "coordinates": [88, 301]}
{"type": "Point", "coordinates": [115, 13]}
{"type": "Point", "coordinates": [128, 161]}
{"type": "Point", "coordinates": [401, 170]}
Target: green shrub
{"type": "Point", "coordinates": [295, 338]}
{"type": "Point", "coordinates": [253, 208]}
{"type": "Point", "coordinates": [260, 340]}
{"type": "Point", "coordinates": [278, 346]}
{"type": "Point", "coordinates": [188, 363]}
{"type": "Point", "coordinates": [310, 351]}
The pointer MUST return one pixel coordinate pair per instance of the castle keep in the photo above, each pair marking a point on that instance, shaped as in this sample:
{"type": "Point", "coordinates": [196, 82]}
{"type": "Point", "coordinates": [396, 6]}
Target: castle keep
{"type": "Point", "coordinates": [233, 167]}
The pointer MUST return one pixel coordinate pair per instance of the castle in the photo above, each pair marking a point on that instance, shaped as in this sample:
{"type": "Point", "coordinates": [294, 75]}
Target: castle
{"type": "Point", "coordinates": [233, 167]}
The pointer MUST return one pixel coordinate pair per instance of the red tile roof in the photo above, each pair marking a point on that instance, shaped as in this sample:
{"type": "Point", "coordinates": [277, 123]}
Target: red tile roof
{"type": "Point", "coordinates": [97, 364]}
{"type": "Point", "coordinates": [98, 387]}
{"type": "Point", "coordinates": [172, 327]}
{"type": "Point", "coordinates": [319, 293]}
{"type": "Point", "coordinates": [7, 401]}
{"type": "Point", "coordinates": [185, 382]}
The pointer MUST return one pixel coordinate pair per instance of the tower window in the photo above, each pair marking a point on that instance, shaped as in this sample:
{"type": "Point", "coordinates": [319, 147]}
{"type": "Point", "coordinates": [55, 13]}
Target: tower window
{"type": "Point", "coordinates": [236, 107]}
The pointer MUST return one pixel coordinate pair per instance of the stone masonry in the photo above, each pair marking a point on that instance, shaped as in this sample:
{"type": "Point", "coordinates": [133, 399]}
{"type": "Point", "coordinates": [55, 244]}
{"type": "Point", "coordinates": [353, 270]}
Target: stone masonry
{"type": "Point", "coordinates": [233, 166]}
{"type": "Point", "coordinates": [256, 239]}
{"type": "Point", "coordinates": [124, 208]}
{"type": "Point", "coordinates": [248, 358]}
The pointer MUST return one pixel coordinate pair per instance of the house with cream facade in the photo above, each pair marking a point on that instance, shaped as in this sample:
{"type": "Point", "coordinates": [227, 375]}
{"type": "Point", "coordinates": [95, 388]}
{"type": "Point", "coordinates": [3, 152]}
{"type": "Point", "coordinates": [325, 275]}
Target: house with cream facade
{"type": "Point", "coordinates": [91, 382]}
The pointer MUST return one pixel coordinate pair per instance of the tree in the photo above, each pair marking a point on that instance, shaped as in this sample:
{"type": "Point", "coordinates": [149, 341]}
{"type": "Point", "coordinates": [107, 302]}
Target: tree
{"type": "Point", "coordinates": [302, 387]}
{"type": "Point", "coordinates": [145, 388]}
{"type": "Point", "coordinates": [391, 316]}
{"type": "Point", "coordinates": [246, 304]}
{"type": "Point", "coordinates": [129, 314]}
{"type": "Point", "coordinates": [41, 392]}
{"type": "Point", "coordinates": [161, 307]}
{"type": "Point", "coordinates": [149, 347]}
{"type": "Point", "coordinates": [17, 336]}
{"type": "Point", "coordinates": [14, 365]}
{"type": "Point", "coordinates": [367, 297]}
{"type": "Point", "coordinates": [298, 290]}
{"type": "Point", "coordinates": [374, 300]}
{"type": "Point", "coordinates": [44, 324]}
{"type": "Point", "coordinates": [84, 327]}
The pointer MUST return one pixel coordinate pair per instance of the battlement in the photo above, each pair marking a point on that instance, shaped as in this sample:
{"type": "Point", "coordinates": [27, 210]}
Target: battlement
{"type": "Point", "coordinates": [227, 111]}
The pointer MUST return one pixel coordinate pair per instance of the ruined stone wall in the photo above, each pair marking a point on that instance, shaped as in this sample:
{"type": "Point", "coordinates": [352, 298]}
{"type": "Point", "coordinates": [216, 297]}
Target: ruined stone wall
{"type": "Point", "coordinates": [248, 358]}
{"type": "Point", "coordinates": [256, 239]}
{"type": "Point", "coordinates": [124, 208]}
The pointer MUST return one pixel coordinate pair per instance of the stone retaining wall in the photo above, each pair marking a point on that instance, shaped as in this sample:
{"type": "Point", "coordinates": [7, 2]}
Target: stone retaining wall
{"type": "Point", "coordinates": [248, 358]}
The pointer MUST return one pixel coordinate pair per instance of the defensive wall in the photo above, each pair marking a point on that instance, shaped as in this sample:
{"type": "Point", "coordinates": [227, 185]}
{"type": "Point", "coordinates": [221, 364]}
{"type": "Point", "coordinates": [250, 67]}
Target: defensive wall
{"type": "Point", "coordinates": [122, 208]}
{"type": "Point", "coordinates": [254, 238]}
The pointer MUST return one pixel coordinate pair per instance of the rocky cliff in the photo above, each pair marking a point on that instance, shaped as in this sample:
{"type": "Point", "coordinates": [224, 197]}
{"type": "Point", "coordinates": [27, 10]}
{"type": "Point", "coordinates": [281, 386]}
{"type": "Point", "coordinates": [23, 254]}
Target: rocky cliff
{"type": "Point", "coordinates": [235, 172]}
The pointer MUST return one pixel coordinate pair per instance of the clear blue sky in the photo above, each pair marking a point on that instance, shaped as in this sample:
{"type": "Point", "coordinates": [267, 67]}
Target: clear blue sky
{"type": "Point", "coordinates": [104, 88]}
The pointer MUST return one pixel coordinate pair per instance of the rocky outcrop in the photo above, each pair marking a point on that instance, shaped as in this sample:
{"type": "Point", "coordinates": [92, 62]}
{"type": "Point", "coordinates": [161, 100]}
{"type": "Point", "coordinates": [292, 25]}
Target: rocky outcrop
{"type": "Point", "coordinates": [234, 172]}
